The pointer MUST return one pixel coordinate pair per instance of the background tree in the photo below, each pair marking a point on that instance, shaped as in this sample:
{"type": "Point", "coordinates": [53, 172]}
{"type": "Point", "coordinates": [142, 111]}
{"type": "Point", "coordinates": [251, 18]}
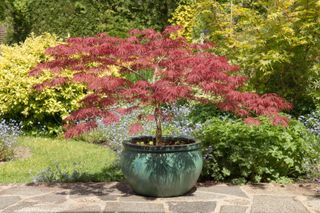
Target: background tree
{"type": "Point", "coordinates": [276, 42]}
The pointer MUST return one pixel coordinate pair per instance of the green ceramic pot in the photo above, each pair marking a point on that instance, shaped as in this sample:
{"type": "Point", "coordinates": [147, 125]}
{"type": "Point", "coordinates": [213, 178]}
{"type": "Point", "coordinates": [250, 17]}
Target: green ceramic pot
{"type": "Point", "coordinates": [161, 171]}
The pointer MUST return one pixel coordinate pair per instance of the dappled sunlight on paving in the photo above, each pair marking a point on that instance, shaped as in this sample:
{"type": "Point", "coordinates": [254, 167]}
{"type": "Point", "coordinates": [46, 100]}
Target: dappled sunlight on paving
{"type": "Point", "coordinates": [118, 197]}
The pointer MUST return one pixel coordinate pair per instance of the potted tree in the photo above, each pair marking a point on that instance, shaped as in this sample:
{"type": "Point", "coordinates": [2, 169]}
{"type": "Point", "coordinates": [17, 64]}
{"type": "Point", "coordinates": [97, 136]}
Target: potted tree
{"type": "Point", "coordinates": [153, 69]}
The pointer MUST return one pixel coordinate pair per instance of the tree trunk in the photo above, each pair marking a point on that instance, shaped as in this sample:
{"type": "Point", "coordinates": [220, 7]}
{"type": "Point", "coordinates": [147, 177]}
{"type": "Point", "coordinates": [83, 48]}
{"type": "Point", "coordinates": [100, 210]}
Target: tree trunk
{"type": "Point", "coordinates": [158, 119]}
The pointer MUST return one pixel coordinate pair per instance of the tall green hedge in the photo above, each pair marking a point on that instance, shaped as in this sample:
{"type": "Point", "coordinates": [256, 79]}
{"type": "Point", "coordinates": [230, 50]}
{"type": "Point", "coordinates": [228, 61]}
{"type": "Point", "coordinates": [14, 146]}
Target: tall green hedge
{"type": "Point", "coordinates": [88, 17]}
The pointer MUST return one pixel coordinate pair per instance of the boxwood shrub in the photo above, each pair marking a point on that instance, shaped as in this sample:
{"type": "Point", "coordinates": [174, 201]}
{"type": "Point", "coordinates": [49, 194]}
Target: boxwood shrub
{"type": "Point", "coordinates": [238, 152]}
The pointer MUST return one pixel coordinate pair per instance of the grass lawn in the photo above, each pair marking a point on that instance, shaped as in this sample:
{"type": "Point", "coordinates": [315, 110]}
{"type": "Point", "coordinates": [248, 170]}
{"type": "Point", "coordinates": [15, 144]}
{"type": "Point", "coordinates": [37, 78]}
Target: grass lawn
{"type": "Point", "coordinates": [92, 161]}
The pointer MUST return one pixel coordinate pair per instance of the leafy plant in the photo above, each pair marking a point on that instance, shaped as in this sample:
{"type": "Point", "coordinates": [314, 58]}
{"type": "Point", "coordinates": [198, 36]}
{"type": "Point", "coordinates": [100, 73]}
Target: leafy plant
{"type": "Point", "coordinates": [257, 153]}
{"type": "Point", "coordinates": [200, 113]}
{"type": "Point", "coordinates": [96, 136]}
{"type": "Point", "coordinates": [6, 152]}
{"type": "Point", "coordinates": [55, 173]}
{"type": "Point", "coordinates": [275, 42]}
{"type": "Point", "coordinates": [9, 131]}
{"type": "Point", "coordinates": [19, 100]}
{"type": "Point", "coordinates": [314, 87]}
{"type": "Point", "coordinates": [179, 71]}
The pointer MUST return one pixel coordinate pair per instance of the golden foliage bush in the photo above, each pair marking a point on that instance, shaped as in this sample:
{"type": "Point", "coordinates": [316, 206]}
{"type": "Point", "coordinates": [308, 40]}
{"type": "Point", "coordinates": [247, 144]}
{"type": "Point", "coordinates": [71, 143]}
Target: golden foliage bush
{"type": "Point", "coordinates": [19, 100]}
{"type": "Point", "coordinates": [276, 43]}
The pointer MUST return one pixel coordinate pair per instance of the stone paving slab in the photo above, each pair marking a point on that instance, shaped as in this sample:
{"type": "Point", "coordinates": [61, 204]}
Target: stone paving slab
{"type": "Point", "coordinates": [233, 209]}
{"type": "Point", "coordinates": [224, 189]}
{"type": "Point", "coordinates": [25, 191]}
{"type": "Point", "coordinates": [8, 200]}
{"type": "Point", "coordinates": [205, 207]}
{"type": "Point", "coordinates": [314, 203]}
{"type": "Point", "coordinates": [118, 197]}
{"type": "Point", "coordinates": [196, 196]}
{"type": "Point", "coordinates": [271, 204]}
{"type": "Point", "coordinates": [133, 207]}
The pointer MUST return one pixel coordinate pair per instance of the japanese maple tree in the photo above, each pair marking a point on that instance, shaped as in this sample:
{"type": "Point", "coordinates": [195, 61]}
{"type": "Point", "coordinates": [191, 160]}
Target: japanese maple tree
{"type": "Point", "coordinates": [176, 70]}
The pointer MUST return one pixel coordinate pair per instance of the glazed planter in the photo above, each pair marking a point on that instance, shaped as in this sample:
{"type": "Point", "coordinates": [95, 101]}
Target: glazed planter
{"type": "Point", "coordinates": [161, 171]}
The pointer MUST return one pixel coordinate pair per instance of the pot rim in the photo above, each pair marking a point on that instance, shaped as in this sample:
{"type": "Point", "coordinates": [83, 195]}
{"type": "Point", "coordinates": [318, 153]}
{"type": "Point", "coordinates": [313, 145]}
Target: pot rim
{"type": "Point", "coordinates": [170, 148]}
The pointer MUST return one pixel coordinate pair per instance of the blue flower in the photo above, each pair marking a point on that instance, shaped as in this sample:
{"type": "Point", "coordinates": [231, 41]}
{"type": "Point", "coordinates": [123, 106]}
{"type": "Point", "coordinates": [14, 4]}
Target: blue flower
{"type": "Point", "coordinates": [312, 122]}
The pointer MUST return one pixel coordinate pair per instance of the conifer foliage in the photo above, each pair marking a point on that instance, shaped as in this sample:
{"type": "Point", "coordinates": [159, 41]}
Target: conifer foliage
{"type": "Point", "coordinates": [179, 71]}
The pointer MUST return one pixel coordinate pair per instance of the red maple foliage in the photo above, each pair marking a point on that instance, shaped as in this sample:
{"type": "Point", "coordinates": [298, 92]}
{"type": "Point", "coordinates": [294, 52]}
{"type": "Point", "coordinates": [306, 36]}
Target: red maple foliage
{"type": "Point", "coordinates": [179, 70]}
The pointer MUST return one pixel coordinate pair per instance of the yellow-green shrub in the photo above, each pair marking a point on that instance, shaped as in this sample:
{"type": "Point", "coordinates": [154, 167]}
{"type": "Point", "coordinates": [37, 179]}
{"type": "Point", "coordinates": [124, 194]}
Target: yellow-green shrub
{"type": "Point", "coordinates": [18, 98]}
{"type": "Point", "coordinates": [276, 43]}
{"type": "Point", "coordinates": [185, 16]}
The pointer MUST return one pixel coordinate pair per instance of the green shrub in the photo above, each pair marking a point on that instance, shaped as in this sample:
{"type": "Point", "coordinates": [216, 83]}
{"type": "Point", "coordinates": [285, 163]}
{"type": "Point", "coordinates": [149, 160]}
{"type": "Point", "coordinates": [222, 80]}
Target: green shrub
{"type": "Point", "coordinates": [6, 152]}
{"type": "Point", "coordinates": [239, 152]}
{"type": "Point", "coordinates": [96, 136]}
{"type": "Point", "coordinates": [56, 173]}
{"type": "Point", "coordinates": [18, 98]}
{"type": "Point", "coordinates": [200, 113]}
